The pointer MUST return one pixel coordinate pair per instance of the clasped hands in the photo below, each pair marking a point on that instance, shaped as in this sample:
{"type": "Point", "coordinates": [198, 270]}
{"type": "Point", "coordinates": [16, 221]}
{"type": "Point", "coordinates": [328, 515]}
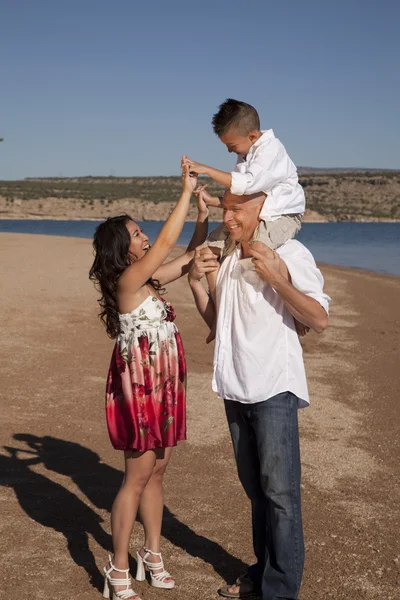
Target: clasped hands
{"type": "Point", "coordinates": [204, 261]}
{"type": "Point", "coordinates": [193, 165]}
{"type": "Point", "coordinates": [204, 199]}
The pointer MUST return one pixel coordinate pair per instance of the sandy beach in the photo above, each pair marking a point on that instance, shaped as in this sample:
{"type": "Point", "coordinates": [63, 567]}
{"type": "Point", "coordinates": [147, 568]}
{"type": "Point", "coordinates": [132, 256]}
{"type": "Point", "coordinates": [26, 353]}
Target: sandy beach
{"type": "Point", "coordinates": [60, 474]}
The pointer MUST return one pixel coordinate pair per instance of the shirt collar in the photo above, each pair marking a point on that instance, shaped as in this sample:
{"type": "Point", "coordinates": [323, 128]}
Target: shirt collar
{"type": "Point", "coordinates": [267, 134]}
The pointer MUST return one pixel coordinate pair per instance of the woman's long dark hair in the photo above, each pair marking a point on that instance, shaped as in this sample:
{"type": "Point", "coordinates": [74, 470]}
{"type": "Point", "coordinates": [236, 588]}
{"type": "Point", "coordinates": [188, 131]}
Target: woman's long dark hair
{"type": "Point", "coordinates": [111, 258]}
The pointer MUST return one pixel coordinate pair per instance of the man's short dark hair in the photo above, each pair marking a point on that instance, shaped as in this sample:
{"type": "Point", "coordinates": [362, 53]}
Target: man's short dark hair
{"type": "Point", "coordinates": [233, 114]}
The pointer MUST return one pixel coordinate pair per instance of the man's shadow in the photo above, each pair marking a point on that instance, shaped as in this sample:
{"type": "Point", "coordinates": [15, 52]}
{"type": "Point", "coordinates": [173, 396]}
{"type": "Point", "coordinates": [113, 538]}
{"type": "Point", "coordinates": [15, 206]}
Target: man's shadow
{"type": "Point", "coordinates": [100, 482]}
{"type": "Point", "coordinates": [51, 505]}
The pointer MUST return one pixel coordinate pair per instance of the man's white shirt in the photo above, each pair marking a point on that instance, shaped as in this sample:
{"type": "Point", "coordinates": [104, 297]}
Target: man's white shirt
{"type": "Point", "coordinates": [257, 350]}
{"type": "Point", "coordinates": [267, 168]}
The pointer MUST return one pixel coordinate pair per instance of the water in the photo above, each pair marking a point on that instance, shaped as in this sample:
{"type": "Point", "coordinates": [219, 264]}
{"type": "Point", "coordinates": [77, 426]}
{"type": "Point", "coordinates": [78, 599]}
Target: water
{"type": "Point", "coordinates": [372, 246]}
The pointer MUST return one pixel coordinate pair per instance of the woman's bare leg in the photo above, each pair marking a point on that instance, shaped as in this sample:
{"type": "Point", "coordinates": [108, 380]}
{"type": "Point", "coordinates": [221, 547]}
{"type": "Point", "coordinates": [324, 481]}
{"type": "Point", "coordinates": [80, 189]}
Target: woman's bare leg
{"type": "Point", "coordinates": [139, 468]}
{"type": "Point", "coordinates": [151, 505]}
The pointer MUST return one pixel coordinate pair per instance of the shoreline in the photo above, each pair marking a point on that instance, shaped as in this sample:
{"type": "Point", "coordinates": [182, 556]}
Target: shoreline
{"type": "Point", "coordinates": [322, 265]}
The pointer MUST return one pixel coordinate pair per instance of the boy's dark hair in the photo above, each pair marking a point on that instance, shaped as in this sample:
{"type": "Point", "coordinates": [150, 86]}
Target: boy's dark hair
{"type": "Point", "coordinates": [233, 114]}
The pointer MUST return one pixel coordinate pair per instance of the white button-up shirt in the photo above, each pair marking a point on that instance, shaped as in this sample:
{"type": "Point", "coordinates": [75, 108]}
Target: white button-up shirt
{"type": "Point", "coordinates": [267, 168]}
{"type": "Point", "coordinates": [257, 350]}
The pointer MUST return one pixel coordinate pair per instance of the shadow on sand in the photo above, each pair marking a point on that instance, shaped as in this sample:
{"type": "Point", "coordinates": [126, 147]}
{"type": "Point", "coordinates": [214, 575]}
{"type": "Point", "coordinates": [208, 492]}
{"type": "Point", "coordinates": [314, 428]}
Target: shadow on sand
{"type": "Point", "coordinates": [52, 505]}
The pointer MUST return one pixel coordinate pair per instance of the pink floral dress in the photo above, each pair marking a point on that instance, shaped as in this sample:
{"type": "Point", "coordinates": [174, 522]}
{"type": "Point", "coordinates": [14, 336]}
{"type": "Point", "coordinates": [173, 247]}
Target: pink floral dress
{"type": "Point", "coordinates": [146, 384]}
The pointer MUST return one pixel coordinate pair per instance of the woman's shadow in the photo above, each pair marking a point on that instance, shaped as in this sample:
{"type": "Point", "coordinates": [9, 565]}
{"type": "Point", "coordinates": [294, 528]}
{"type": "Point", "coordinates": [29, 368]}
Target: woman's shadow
{"type": "Point", "coordinates": [51, 505]}
{"type": "Point", "coordinates": [99, 482]}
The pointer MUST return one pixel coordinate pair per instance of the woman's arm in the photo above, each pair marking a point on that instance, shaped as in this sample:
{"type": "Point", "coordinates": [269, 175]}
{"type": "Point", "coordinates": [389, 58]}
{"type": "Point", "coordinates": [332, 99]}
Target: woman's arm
{"type": "Point", "coordinates": [136, 275]}
{"type": "Point", "coordinates": [179, 266]}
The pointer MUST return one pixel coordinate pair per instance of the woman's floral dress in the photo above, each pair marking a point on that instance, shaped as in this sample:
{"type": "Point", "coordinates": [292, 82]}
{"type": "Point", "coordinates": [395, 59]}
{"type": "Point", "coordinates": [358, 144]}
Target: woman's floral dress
{"type": "Point", "coordinates": [146, 384]}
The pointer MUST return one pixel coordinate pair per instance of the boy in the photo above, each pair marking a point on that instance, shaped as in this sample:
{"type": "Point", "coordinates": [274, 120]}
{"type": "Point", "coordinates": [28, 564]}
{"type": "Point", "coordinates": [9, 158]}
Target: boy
{"type": "Point", "coordinates": [263, 165]}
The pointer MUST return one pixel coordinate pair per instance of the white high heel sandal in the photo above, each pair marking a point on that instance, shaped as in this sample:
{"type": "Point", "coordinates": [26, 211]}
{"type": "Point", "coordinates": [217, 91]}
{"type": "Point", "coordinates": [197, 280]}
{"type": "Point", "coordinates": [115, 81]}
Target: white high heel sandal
{"type": "Point", "coordinates": [110, 582]}
{"type": "Point", "coordinates": [157, 579]}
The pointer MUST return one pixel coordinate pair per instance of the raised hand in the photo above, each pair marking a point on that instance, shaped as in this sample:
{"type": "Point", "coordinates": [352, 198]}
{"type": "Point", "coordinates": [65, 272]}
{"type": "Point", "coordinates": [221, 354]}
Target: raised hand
{"type": "Point", "coordinates": [189, 180]}
{"type": "Point", "coordinates": [206, 197]}
{"type": "Point", "coordinates": [200, 192]}
{"type": "Point", "coordinates": [194, 166]}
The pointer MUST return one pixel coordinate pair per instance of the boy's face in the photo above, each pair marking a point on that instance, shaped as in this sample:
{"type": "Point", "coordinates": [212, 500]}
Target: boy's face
{"type": "Point", "coordinates": [235, 142]}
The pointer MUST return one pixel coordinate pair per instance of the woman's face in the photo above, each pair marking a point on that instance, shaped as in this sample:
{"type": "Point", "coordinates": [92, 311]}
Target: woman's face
{"type": "Point", "coordinates": [139, 242]}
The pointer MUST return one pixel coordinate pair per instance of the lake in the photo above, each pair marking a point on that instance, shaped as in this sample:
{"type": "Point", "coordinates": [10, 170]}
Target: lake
{"type": "Point", "coordinates": [372, 246]}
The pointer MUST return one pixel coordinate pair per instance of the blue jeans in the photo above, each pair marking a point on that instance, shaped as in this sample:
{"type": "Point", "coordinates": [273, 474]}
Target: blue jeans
{"type": "Point", "coordinates": [265, 439]}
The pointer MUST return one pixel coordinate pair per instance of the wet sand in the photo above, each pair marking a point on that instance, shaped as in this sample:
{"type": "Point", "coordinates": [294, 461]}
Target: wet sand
{"type": "Point", "coordinates": [60, 474]}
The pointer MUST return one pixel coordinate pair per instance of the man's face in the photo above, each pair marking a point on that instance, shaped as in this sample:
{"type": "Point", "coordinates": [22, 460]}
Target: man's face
{"type": "Point", "coordinates": [241, 215]}
{"type": "Point", "coordinates": [235, 142]}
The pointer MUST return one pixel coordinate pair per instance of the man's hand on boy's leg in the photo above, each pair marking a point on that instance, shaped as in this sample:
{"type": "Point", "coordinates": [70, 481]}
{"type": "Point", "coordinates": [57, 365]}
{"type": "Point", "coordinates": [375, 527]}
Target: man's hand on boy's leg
{"type": "Point", "coordinates": [262, 249]}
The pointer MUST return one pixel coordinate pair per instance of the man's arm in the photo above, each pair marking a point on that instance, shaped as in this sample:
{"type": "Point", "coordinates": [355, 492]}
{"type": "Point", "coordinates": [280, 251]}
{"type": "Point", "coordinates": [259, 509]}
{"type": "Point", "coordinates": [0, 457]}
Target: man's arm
{"type": "Point", "coordinates": [307, 310]}
{"type": "Point", "coordinates": [204, 303]}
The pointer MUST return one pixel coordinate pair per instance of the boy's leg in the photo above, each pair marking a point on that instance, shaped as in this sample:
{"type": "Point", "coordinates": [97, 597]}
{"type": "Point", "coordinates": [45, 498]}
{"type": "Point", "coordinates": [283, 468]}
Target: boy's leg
{"type": "Point", "coordinates": [275, 233]}
{"type": "Point", "coordinates": [217, 238]}
{"type": "Point", "coordinates": [269, 235]}
{"type": "Point", "coordinates": [220, 242]}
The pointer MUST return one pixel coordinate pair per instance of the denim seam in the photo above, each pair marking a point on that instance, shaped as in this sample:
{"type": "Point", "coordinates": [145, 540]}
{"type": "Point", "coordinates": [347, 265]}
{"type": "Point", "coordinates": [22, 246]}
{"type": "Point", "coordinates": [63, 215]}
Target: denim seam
{"type": "Point", "coordinates": [296, 502]}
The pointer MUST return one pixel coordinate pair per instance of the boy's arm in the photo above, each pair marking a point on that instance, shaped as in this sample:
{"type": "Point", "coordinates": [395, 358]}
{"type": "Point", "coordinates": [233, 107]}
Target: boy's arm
{"type": "Point", "coordinates": [221, 177]}
{"type": "Point", "coordinates": [267, 167]}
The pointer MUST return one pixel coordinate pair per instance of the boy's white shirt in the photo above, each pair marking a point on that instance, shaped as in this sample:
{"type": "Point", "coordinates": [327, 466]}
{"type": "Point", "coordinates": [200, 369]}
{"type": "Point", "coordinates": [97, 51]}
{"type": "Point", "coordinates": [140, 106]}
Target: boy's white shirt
{"type": "Point", "coordinates": [267, 168]}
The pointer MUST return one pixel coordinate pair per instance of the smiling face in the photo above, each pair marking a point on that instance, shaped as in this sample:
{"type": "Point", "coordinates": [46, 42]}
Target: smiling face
{"type": "Point", "coordinates": [139, 242]}
{"type": "Point", "coordinates": [241, 215]}
{"type": "Point", "coordinates": [239, 143]}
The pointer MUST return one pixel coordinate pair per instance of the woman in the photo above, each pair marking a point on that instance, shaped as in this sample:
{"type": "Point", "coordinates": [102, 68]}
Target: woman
{"type": "Point", "coordinates": [145, 394]}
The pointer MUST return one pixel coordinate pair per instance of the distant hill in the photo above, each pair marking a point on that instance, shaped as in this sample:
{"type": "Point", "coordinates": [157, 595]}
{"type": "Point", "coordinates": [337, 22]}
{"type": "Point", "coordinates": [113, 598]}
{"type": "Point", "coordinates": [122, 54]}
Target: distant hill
{"type": "Point", "coordinates": [332, 195]}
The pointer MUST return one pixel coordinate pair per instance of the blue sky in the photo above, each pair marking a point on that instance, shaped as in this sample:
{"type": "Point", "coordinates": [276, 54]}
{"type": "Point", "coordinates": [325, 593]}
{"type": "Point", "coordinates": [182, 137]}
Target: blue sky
{"type": "Point", "coordinates": [95, 87]}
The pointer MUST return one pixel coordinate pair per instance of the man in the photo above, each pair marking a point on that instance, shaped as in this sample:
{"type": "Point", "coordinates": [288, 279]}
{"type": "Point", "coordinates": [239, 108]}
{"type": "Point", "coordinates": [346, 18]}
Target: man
{"type": "Point", "coordinates": [259, 372]}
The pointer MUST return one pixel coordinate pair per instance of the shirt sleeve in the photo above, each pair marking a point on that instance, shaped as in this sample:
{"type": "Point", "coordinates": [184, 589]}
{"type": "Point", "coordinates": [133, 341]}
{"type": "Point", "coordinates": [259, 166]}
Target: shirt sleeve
{"type": "Point", "coordinates": [269, 166]}
{"type": "Point", "coordinates": [305, 275]}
